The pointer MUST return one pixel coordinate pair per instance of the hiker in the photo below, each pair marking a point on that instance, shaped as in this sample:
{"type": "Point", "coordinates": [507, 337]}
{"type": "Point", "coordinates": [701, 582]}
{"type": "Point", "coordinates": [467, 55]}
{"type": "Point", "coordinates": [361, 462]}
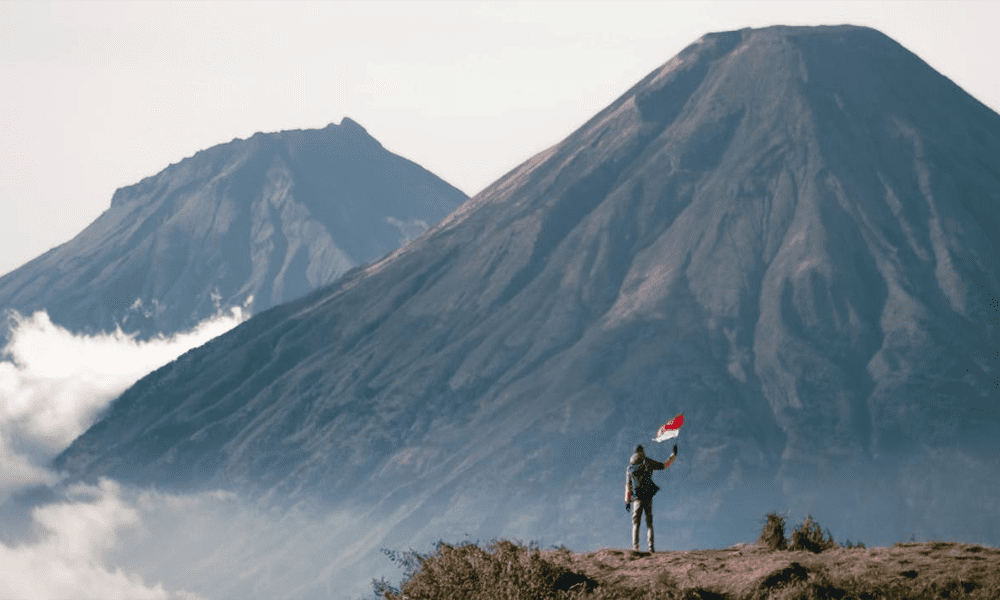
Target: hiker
{"type": "Point", "coordinates": [639, 490]}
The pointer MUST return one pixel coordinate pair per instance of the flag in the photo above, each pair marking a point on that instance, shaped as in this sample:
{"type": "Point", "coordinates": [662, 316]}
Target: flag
{"type": "Point", "coordinates": [670, 429]}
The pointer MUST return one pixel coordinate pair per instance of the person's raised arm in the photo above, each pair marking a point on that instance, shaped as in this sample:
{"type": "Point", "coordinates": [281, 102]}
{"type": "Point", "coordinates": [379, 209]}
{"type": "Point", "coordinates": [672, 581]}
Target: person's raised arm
{"type": "Point", "coordinates": [672, 458]}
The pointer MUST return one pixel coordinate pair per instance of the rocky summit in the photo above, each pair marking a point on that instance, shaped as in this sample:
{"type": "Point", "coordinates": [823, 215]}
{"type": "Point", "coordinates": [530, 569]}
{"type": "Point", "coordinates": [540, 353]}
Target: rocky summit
{"type": "Point", "coordinates": [251, 223]}
{"type": "Point", "coordinates": [788, 233]}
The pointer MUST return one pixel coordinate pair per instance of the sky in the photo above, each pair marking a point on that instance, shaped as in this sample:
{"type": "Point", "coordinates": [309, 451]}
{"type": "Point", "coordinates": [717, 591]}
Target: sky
{"type": "Point", "coordinates": [99, 95]}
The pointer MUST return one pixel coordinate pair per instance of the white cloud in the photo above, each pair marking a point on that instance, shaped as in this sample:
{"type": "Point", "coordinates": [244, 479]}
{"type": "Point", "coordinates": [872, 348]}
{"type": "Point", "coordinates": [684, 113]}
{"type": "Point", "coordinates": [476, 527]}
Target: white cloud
{"type": "Point", "coordinates": [226, 547]}
{"type": "Point", "coordinates": [117, 541]}
{"type": "Point", "coordinates": [408, 230]}
{"type": "Point", "coordinates": [66, 562]}
{"type": "Point", "coordinates": [52, 388]}
{"type": "Point", "coordinates": [113, 541]}
{"type": "Point", "coordinates": [57, 382]}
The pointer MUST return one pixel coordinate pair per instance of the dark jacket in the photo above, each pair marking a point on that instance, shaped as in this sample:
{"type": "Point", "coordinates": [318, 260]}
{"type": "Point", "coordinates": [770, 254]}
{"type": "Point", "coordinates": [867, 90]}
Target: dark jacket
{"type": "Point", "coordinates": [644, 488]}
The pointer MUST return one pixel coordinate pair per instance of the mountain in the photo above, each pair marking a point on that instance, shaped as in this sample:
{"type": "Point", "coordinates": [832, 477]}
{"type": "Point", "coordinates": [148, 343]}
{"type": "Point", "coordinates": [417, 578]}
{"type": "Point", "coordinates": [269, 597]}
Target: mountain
{"type": "Point", "coordinates": [788, 233]}
{"type": "Point", "coordinates": [253, 222]}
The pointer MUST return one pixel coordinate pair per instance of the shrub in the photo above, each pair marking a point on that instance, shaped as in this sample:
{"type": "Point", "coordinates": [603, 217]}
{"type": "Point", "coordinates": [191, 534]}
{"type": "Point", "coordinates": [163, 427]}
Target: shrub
{"type": "Point", "coordinates": [501, 570]}
{"type": "Point", "coordinates": [809, 536]}
{"type": "Point", "coordinates": [773, 535]}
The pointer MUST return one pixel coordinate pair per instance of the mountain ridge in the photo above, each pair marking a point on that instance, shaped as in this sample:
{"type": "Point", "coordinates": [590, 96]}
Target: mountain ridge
{"type": "Point", "coordinates": [248, 223]}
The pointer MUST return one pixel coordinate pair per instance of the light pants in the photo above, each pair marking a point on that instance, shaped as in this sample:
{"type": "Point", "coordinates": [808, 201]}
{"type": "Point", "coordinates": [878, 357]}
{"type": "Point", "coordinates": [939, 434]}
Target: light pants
{"type": "Point", "coordinates": [638, 507]}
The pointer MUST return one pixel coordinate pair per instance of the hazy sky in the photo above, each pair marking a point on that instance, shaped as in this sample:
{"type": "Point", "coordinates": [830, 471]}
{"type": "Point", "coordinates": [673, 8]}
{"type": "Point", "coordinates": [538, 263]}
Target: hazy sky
{"type": "Point", "coordinates": [95, 96]}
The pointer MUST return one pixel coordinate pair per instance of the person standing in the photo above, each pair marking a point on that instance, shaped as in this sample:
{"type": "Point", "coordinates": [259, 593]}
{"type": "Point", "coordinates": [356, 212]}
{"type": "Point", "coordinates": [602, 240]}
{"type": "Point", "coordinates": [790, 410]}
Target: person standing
{"type": "Point", "coordinates": [639, 491]}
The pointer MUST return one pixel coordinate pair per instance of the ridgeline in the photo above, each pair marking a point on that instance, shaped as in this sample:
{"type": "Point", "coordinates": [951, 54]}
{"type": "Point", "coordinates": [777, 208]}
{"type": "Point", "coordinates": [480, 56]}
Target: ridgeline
{"type": "Point", "coordinates": [808, 567]}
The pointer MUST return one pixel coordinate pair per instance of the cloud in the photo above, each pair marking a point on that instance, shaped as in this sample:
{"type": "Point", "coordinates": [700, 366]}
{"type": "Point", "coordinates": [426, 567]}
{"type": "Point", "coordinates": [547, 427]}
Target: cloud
{"type": "Point", "coordinates": [52, 389]}
{"type": "Point", "coordinates": [226, 547]}
{"type": "Point", "coordinates": [76, 541]}
{"type": "Point", "coordinates": [114, 540]}
{"type": "Point", "coordinates": [66, 560]}
{"type": "Point", "coordinates": [57, 383]}
{"type": "Point", "coordinates": [409, 230]}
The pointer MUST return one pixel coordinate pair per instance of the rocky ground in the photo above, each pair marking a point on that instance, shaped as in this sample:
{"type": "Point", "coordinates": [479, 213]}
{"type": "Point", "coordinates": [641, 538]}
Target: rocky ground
{"type": "Point", "coordinates": [508, 570]}
{"type": "Point", "coordinates": [906, 570]}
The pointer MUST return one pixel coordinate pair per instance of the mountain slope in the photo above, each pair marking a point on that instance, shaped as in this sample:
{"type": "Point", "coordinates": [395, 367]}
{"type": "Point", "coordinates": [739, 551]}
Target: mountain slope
{"type": "Point", "coordinates": [258, 221]}
{"type": "Point", "coordinates": [773, 232]}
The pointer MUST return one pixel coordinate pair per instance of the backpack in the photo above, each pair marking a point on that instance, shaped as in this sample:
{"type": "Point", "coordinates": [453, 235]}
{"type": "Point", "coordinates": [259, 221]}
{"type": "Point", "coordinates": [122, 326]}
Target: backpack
{"type": "Point", "coordinates": [642, 481]}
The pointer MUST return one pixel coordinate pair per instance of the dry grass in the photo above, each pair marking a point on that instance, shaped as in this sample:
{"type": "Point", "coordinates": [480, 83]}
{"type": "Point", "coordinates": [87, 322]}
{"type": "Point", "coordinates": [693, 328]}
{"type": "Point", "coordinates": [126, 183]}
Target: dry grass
{"type": "Point", "coordinates": [773, 535]}
{"type": "Point", "coordinates": [809, 536]}
{"type": "Point", "coordinates": [503, 569]}
{"type": "Point", "coordinates": [507, 570]}
{"type": "Point", "coordinates": [906, 571]}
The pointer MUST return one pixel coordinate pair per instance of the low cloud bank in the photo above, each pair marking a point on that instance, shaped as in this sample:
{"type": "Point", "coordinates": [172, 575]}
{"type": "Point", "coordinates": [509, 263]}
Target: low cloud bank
{"type": "Point", "coordinates": [66, 560]}
{"type": "Point", "coordinates": [52, 388]}
{"type": "Point", "coordinates": [57, 382]}
{"type": "Point", "coordinates": [112, 541]}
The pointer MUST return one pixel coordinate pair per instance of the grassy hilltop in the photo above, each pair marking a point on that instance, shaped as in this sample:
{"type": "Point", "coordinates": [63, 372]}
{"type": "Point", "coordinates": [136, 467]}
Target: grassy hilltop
{"type": "Point", "coordinates": [808, 566]}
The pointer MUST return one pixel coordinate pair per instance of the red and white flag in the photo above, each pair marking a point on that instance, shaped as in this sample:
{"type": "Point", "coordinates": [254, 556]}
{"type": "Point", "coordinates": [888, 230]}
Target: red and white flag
{"type": "Point", "coordinates": [670, 429]}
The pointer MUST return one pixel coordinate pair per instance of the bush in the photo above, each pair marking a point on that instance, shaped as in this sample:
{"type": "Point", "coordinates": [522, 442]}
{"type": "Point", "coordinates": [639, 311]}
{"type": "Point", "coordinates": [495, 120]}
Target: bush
{"type": "Point", "coordinates": [773, 535]}
{"type": "Point", "coordinates": [503, 570]}
{"type": "Point", "coordinates": [809, 536]}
